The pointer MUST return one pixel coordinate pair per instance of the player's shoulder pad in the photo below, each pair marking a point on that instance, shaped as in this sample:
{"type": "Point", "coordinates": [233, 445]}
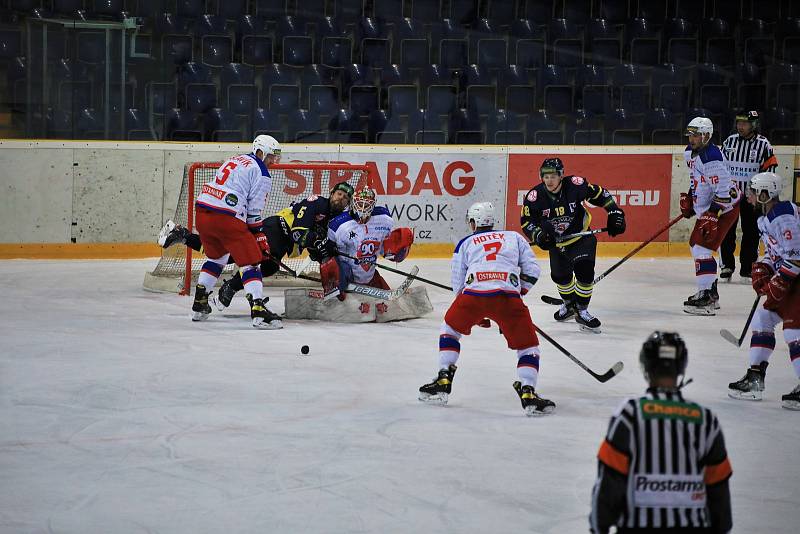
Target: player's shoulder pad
{"type": "Point", "coordinates": [339, 220]}
{"type": "Point", "coordinates": [784, 207]}
{"type": "Point", "coordinates": [458, 246]}
{"type": "Point", "coordinates": [380, 210]}
{"type": "Point", "coordinates": [711, 152]}
{"type": "Point", "coordinates": [532, 194]}
{"type": "Point", "coordinates": [261, 164]}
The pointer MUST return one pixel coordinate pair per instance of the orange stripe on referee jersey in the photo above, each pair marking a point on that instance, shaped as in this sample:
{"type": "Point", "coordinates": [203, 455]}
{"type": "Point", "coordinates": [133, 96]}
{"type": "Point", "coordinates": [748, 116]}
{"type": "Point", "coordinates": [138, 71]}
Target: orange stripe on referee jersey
{"type": "Point", "coordinates": [613, 458]}
{"type": "Point", "coordinates": [717, 473]}
{"type": "Point", "coordinates": [772, 160]}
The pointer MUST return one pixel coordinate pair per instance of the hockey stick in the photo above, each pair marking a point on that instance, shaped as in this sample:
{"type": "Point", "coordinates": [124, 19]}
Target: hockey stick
{"type": "Point", "coordinates": [558, 302]}
{"type": "Point", "coordinates": [580, 234]}
{"type": "Point", "coordinates": [383, 294]}
{"type": "Point", "coordinates": [398, 271]}
{"type": "Point", "coordinates": [727, 335]}
{"type": "Point", "coordinates": [605, 377]}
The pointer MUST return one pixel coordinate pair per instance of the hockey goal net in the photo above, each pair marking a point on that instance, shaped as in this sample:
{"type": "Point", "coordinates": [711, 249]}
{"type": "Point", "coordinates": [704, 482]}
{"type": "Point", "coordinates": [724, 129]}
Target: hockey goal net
{"type": "Point", "coordinates": [179, 266]}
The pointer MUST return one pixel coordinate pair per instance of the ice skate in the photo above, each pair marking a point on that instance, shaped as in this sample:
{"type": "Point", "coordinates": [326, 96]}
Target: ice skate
{"type": "Point", "coordinates": [715, 295]}
{"type": "Point", "coordinates": [262, 317]}
{"type": "Point", "coordinates": [791, 401]}
{"type": "Point", "coordinates": [200, 308]}
{"type": "Point", "coordinates": [726, 273]}
{"type": "Point", "coordinates": [701, 303]}
{"type": "Point", "coordinates": [565, 312]}
{"type": "Point", "coordinates": [751, 386]}
{"type": "Point", "coordinates": [438, 390]}
{"type": "Point", "coordinates": [532, 403]}
{"type": "Point", "coordinates": [222, 299]}
{"type": "Point", "coordinates": [587, 321]}
{"type": "Point", "coordinates": [171, 234]}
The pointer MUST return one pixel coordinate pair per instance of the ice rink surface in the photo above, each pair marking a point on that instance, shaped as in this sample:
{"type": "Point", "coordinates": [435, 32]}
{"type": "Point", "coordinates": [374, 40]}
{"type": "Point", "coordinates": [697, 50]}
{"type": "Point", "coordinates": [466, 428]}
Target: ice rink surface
{"type": "Point", "coordinates": [120, 415]}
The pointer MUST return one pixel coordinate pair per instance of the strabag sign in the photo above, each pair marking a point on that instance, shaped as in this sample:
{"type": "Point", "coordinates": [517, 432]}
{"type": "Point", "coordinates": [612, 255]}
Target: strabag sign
{"type": "Point", "coordinates": [640, 184]}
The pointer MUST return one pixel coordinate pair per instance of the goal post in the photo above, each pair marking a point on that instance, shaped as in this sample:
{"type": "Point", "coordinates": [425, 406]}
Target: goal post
{"type": "Point", "coordinates": [179, 266]}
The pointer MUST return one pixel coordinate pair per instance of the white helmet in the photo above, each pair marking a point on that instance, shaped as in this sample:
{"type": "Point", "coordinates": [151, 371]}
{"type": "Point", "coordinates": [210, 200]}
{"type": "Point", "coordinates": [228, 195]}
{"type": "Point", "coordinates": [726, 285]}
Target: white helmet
{"type": "Point", "coordinates": [267, 144]}
{"type": "Point", "coordinates": [482, 213]}
{"type": "Point", "coordinates": [700, 125]}
{"type": "Point", "coordinates": [766, 181]}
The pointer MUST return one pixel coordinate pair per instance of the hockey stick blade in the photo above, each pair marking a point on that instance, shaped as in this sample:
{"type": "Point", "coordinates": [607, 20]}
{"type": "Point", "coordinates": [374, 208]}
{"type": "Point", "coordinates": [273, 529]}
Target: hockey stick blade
{"type": "Point", "coordinates": [611, 373]}
{"type": "Point", "coordinates": [727, 335]}
{"type": "Point", "coordinates": [384, 294]}
{"type": "Point", "coordinates": [547, 299]}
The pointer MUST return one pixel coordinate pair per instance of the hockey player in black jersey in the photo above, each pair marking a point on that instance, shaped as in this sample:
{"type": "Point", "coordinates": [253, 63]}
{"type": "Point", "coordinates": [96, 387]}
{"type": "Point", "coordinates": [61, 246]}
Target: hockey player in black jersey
{"type": "Point", "coordinates": [554, 208]}
{"type": "Point", "coordinates": [663, 466]}
{"type": "Point", "coordinates": [300, 226]}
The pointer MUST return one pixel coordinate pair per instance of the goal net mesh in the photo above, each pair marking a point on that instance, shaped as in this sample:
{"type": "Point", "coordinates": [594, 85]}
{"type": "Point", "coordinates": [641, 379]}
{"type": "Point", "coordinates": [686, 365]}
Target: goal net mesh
{"type": "Point", "coordinates": [179, 266]}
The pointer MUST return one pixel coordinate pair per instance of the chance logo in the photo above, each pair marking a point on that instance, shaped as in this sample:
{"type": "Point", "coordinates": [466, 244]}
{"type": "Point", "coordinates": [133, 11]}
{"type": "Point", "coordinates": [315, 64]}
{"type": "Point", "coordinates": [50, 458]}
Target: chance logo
{"type": "Point", "coordinates": [661, 409]}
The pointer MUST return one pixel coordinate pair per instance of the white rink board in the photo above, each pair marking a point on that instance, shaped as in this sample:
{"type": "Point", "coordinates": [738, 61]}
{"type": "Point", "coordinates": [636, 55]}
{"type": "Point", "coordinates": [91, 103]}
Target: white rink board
{"type": "Point", "coordinates": [119, 414]}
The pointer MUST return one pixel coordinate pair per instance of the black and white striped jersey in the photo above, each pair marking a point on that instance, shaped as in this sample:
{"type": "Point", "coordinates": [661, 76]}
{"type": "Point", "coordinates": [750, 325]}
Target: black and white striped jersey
{"type": "Point", "coordinates": [663, 464]}
{"type": "Point", "coordinates": [746, 157]}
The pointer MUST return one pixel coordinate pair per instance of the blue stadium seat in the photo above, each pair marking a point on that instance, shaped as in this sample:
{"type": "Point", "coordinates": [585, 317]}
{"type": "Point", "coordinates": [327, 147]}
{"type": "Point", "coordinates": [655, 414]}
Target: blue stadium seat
{"type": "Point", "coordinates": [336, 51]}
{"type": "Point", "coordinates": [652, 9]}
{"type": "Point", "coordinates": [237, 73]}
{"type": "Point", "coordinates": [615, 11]}
{"type": "Point", "coordinates": [783, 126]}
{"type": "Point", "coordinates": [727, 9]}
{"type": "Point", "coordinates": [670, 88]}
{"type": "Point", "coordinates": [714, 84]}
{"type": "Point", "coordinates": [643, 41]}
{"type": "Point", "coordinates": [389, 9]}
{"type": "Point", "coordinates": [784, 83]}
{"type": "Point", "coordinates": [324, 99]}
{"type": "Point", "coordinates": [136, 126]}
{"type": "Point", "coordinates": [200, 97]}
{"type": "Point", "coordinates": [60, 124]}
{"type": "Point", "coordinates": [788, 34]}
{"type": "Point", "coordinates": [426, 10]}
{"type": "Point", "coordinates": [411, 43]}
{"type": "Point", "coordinates": [624, 128]}
{"type": "Point", "coordinates": [271, 8]}
{"type": "Point", "coordinates": [402, 98]}
{"type": "Point", "coordinates": [233, 9]}
{"type": "Point", "coordinates": [528, 42]}
{"type": "Point", "coordinates": [177, 49]}
{"type": "Point", "coordinates": [270, 123]}
{"type": "Point", "coordinates": [539, 10]}
{"type": "Point", "coordinates": [237, 83]}
{"type": "Point", "coordinates": [464, 11]}
{"type": "Point", "coordinates": [349, 9]}
{"type": "Point", "coordinates": [347, 127]}
{"type": "Point", "coordinates": [280, 88]}
{"type": "Point", "coordinates": [374, 43]}
{"type": "Point", "coordinates": [441, 98]}
{"type": "Point", "coordinates": [631, 87]}
{"type": "Point", "coordinates": [324, 83]}
{"type": "Point", "coordinates": [692, 11]}
{"type": "Point", "coordinates": [160, 97]}
{"type": "Point", "coordinates": [360, 86]}
{"type": "Point", "coordinates": [661, 127]}
{"type": "Point", "coordinates": [505, 127]}
{"type": "Point", "coordinates": [222, 126]}
{"type": "Point", "coordinates": [481, 90]}
{"type": "Point", "coordinates": [427, 126]}
{"type": "Point", "coordinates": [210, 24]}
{"type": "Point", "coordinates": [595, 91]}
{"type": "Point", "coordinates": [519, 89]}
{"type": "Point", "coordinates": [90, 124]}
{"type": "Point", "coordinates": [182, 125]}
{"type": "Point", "coordinates": [296, 44]}
{"type": "Point", "coordinates": [604, 42]}
{"type": "Point", "coordinates": [312, 8]}
{"type": "Point", "coordinates": [751, 86]}
{"type": "Point", "coordinates": [682, 43]}
{"type": "Point", "coordinates": [376, 124]}
{"type": "Point", "coordinates": [759, 42]}
{"type": "Point", "coordinates": [394, 132]}
{"type": "Point", "coordinates": [720, 44]}
{"type": "Point", "coordinates": [566, 40]}
{"type": "Point", "coordinates": [216, 50]}
{"type": "Point", "coordinates": [305, 127]}
{"type": "Point", "coordinates": [558, 89]}
{"type": "Point", "coordinates": [192, 73]}
{"type": "Point", "coordinates": [192, 9]}
{"type": "Point", "coordinates": [170, 23]}
{"type": "Point", "coordinates": [450, 39]}
{"type": "Point", "coordinates": [256, 50]}
{"type": "Point", "coordinates": [542, 129]}
{"type": "Point", "coordinates": [465, 128]}
{"type": "Point", "coordinates": [503, 12]}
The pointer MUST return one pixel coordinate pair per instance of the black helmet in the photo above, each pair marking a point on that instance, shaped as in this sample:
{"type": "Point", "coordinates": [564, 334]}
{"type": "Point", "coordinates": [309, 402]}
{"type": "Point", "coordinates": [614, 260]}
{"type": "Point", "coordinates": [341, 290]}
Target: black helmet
{"type": "Point", "coordinates": [344, 186]}
{"type": "Point", "coordinates": [663, 354]}
{"type": "Point", "coordinates": [551, 165]}
{"type": "Point", "coordinates": [750, 116]}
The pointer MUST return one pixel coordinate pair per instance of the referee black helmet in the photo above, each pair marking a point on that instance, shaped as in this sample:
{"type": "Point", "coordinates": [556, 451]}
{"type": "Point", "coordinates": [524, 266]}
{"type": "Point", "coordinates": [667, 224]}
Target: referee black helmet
{"type": "Point", "coordinates": [664, 354]}
{"type": "Point", "coordinates": [749, 116]}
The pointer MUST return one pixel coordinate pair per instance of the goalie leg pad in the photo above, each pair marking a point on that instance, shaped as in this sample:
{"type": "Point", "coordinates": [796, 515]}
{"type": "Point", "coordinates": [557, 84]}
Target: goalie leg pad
{"type": "Point", "coordinates": [330, 274]}
{"type": "Point", "coordinates": [309, 304]}
{"type": "Point", "coordinates": [412, 304]}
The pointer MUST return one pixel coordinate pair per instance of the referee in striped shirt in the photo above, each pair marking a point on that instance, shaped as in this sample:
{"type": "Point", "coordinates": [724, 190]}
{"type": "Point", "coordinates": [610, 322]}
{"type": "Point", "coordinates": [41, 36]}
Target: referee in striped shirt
{"type": "Point", "coordinates": [747, 153]}
{"type": "Point", "coordinates": [663, 464]}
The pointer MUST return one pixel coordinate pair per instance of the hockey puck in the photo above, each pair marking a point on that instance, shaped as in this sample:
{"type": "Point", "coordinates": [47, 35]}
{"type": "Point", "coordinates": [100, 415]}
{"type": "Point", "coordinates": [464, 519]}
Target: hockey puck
{"type": "Point", "coordinates": [304, 349]}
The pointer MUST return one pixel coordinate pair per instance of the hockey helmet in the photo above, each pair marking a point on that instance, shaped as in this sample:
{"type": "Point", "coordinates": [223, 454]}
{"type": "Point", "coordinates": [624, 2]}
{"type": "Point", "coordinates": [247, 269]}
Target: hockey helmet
{"type": "Point", "coordinates": [766, 182]}
{"type": "Point", "coordinates": [550, 166]}
{"type": "Point", "coordinates": [363, 203]}
{"type": "Point", "coordinates": [482, 214]}
{"type": "Point", "coordinates": [268, 145]}
{"type": "Point", "coordinates": [344, 186]}
{"type": "Point", "coordinates": [748, 116]}
{"type": "Point", "coordinates": [700, 126]}
{"type": "Point", "coordinates": [663, 354]}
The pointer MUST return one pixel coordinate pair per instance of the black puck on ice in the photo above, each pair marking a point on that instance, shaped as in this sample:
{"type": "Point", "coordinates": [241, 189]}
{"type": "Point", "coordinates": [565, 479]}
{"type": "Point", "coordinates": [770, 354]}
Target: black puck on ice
{"type": "Point", "coordinates": [304, 349]}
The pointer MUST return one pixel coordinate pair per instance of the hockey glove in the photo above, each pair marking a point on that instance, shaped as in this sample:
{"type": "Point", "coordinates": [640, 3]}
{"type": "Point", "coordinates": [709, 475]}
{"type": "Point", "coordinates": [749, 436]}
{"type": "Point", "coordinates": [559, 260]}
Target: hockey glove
{"type": "Point", "coordinates": [616, 222]}
{"type": "Point", "coordinates": [544, 236]}
{"type": "Point", "coordinates": [761, 274]}
{"type": "Point", "coordinates": [322, 249]}
{"type": "Point", "coordinates": [398, 244]}
{"type": "Point", "coordinates": [263, 244]}
{"type": "Point", "coordinates": [708, 225]}
{"type": "Point", "coordinates": [776, 290]}
{"type": "Point", "coordinates": [687, 205]}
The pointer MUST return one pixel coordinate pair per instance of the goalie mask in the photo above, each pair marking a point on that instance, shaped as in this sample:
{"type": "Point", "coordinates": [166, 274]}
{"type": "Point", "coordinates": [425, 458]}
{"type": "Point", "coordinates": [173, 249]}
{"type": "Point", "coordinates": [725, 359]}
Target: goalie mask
{"type": "Point", "coordinates": [664, 354]}
{"type": "Point", "coordinates": [363, 203]}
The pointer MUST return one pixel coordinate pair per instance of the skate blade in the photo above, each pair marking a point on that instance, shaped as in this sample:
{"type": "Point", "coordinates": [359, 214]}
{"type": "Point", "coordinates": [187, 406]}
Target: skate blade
{"type": "Point", "coordinates": [589, 329]}
{"type": "Point", "coordinates": [565, 319]}
{"type": "Point", "coordinates": [272, 325]}
{"type": "Point", "coordinates": [692, 310]}
{"type": "Point", "coordinates": [748, 396]}
{"type": "Point", "coordinates": [168, 227]}
{"type": "Point", "coordinates": [531, 411]}
{"type": "Point", "coordinates": [716, 305]}
{"type": "Point", "coordinates": [199, 316]}
{"type": "Point", "coordinates": [791, 405]}
{"type": "Point", "coordinates": [438, 399]}
{"type": "Point", "coordinates": [215, 302]}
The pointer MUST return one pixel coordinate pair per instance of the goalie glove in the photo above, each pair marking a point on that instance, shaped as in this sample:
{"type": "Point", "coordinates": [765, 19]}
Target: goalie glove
{"type": "Point", "coordinates": [398, 244]}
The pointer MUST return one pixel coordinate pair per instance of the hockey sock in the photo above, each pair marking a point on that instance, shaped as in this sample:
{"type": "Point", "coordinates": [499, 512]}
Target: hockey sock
{"type": "Point", "coordinates": [567, 291]}
{"type": "Point", "coordinates": [761, 346]}
{"type": "Point", "coordinates": [705, 267]}
{"type": "Point", "coordinates": [528, 366]}
{"type": "Point", "coordinates": [792, 337]}
{"type": "Point", "coordinates": [583, 294]}
{"type": "Point", "coordinates": [251, 278]}
{"type": "Point", "coordinates": [210, 272]}
{"type": "Point", "coordinates": [449, 346]}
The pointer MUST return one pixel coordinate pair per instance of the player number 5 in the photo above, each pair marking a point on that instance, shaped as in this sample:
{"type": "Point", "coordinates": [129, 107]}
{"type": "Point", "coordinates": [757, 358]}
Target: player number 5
{"type": "Point", "coordinates": [492, 249]}
{"type": "Point", "coordinates": [226, 172]}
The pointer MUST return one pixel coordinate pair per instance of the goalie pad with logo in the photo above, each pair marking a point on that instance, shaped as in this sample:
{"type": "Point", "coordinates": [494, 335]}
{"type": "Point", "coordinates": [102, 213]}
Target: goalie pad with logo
{"type": "Point", "coordinates": [357, 308]}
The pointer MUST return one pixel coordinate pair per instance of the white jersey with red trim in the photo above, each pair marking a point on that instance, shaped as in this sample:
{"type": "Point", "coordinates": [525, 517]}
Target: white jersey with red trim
{"type": "Point", "coordinates": [489, 262]}
{"type": "Point", "coordinates": [362, 241]}
{"type": "Point", "coordinates": [710, 179]}
{"type": "Point", "coordinates": [780, 232]}
{"type": "Point", "coordinates": [239, 188]}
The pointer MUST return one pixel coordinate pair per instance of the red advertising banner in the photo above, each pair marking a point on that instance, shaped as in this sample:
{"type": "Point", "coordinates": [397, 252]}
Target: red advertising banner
{"type": "Point", "coordinates": [639, 182]}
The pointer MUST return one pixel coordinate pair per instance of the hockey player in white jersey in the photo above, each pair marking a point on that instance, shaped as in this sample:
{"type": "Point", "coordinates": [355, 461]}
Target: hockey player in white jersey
{"type": "Point", "coordinates": [714, 198]}
{"type": "Point", "coordinates": [490, 271]}
{"type": "Point", "coordinates": [228, 212]}
{"type": "Point", "coordinates": [777, 276]}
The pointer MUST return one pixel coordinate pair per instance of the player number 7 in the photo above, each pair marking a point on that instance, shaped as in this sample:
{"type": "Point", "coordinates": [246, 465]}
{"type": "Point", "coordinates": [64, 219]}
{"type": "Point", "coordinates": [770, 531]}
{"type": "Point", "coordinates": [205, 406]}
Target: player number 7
{"type": "Point", "coordinates": [492, 249]}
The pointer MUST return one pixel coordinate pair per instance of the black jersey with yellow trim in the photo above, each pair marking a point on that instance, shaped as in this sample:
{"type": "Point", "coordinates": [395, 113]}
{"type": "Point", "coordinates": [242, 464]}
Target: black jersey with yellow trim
{"type": "Point", "coordinates": [564, 210]}
{"type": "Point", "coordinates": [306, 220]}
